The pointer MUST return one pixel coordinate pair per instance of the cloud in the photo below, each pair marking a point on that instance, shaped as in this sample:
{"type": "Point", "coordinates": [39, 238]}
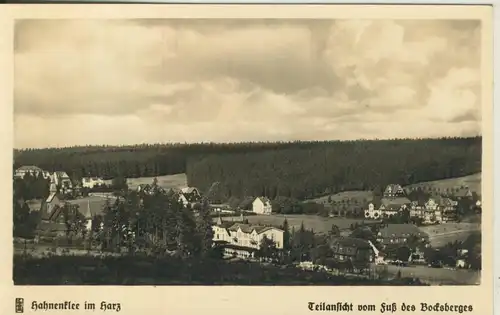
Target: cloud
{"type": "Point", "coordinates": [229, 80]}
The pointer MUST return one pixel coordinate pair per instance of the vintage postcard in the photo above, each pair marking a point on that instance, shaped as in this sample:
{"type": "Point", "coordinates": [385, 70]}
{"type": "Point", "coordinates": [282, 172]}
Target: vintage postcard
{"type": "Point", "coordinates": [179, 158]}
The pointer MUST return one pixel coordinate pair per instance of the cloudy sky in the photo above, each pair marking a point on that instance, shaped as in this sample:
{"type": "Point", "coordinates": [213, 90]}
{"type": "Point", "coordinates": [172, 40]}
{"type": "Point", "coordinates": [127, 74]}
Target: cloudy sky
{"type": "Point", "coordinates": [140, 81]}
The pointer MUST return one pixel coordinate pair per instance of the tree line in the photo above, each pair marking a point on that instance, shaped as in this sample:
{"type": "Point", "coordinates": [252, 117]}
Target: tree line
{"type": "Point", "coordinates": [320, 166]}
{"type": "Point", "coordinates": [132, 161]}
{"type": "Point", "coordinates": [305, 172]}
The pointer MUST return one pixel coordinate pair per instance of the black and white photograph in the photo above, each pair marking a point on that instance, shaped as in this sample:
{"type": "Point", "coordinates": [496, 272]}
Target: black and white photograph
{"type": "Point", "coordinates": [248, 152]}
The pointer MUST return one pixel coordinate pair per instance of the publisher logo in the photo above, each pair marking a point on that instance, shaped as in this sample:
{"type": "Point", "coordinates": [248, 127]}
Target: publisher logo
{"type": "Point", "coordinates": [19, 305]}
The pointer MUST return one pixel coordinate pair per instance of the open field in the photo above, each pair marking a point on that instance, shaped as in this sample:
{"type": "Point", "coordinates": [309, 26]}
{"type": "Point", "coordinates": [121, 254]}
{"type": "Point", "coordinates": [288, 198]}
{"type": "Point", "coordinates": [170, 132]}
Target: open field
{"type": "Point", "coordinates": [360, 195]}
{"type": "Point", "coordinates": [472, 181]}
{"type": "Point", "coordinates": [166, 181]}
{"type": "Point", "coordinates": [438, 275]}
{"type": "Point", "coordinates": [317, 223]}
{"type": "Point", "coordinates": [440, 235]}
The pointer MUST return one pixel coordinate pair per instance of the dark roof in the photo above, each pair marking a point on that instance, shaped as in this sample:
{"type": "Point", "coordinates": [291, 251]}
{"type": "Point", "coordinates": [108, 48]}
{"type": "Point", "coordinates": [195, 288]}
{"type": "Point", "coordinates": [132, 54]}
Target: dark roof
{"type": "Point", "coordinates": [463, 192]}
{"type": "Point", "coordinates": [397, 201]}
{"type": "Point", "coordinates": [350, 242]}
{"type": "Point", "coordinates": [45, 214]}
{"type": "Point", "coordinates": [398, 230]}
{"type": "Point", "coordinates": [246, 203]}
{"type": "Point", "coordinates": [244, 227]}
{"type": "Point", "coordinates": [226, 225]}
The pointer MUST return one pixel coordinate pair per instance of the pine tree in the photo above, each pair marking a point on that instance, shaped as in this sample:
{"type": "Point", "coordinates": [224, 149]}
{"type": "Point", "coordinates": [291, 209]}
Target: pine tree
{"type": "Point", "coordinates": [186, 233]}
{"type": "Point", "coordinates": [204, 229]}
{"type": "Point", "coordinates": [286, 235]}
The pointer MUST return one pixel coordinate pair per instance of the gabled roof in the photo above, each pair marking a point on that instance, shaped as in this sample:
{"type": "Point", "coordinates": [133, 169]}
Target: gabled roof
{"type": "Point", "coordinates": [246, 202]}
{"type": "Point", "coordinates": [247, 228]}
{"type": "Point", "coordinates": [263, 199]}
{"type": "Point", "coordinates": [51, 197]}
{"type": "Point", "coordinates": [244, 227]}
{"type": "Point", "coordinates": [61, 174]}
{"type": "Point", "coordinates": [393, 188]}
{"type": "Point", "coordinates": [443, 201]}
{"type": "Point", "coordinates": [394, 203]}
{"type": "Point", "coordinates": [189, 190]}
{"type": "Point", "coordinates": [46, 215]}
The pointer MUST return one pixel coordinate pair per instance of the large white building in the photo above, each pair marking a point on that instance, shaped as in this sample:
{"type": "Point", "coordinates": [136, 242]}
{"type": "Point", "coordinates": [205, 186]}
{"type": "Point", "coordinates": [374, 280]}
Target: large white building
{"type": "Point", "coordinates": [262, 205]}
{"type": "Point", "coordinates": [243, 240]}
{"type": "Point", "coordinates": [91, 182]}
{"type": "Point", "coordinates": [31, 169]}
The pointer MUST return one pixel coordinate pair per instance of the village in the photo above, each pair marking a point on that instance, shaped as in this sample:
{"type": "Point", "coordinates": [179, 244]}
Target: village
{"type": "Point", "coordinates": [389, 240]}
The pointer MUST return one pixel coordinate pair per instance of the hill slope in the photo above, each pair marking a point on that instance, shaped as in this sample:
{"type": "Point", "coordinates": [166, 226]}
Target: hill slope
{"type": "Point", "coordinates": [473, 182]}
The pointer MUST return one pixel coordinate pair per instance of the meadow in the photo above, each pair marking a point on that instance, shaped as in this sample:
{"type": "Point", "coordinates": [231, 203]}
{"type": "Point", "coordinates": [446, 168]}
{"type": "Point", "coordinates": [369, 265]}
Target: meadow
{"type": "Point", "coordinates": [166, 181]}
{"type": "Point", "coordinates": [440, 235]}
{"type": "Point", "coordinates": [472, 181]}
{"type": "Point", "coordinates": [317, 223]}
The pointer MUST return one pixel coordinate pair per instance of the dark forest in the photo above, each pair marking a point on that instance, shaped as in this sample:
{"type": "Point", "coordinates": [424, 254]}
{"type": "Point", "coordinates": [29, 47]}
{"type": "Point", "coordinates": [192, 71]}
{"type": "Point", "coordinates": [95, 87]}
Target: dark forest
{"type": "Point", "coordinates": [292, 169]}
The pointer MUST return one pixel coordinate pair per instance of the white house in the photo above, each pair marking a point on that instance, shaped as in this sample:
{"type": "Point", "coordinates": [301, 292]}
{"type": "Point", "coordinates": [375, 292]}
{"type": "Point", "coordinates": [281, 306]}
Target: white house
{"type": "Point", "coordinates": [387, 207]}
{"type": "Point", "coordinates": [30, 169]}
{"type": "Point", "coordinates": [62, 179]}
{"type": "Point", "coordinates": [91, 182]}
{"type": "Point", "coordinates": [262, 205]}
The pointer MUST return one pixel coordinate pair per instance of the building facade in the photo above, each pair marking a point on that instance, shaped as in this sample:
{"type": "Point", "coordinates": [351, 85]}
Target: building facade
{"type": "Point", "coordinates": [91, 182]}
{"type": "Point", "coordinates": [262, 205]}
{"type": "Point", "coordinates": [30, 169]}
{"type": "Point", "coordinates": [387, 207]}
{"type": "Point", "coordinates": [400, 234]}
{"type": "Point", "coordinates": [357, 252]}
{"type": "Point", "coordinates": [243, 240]}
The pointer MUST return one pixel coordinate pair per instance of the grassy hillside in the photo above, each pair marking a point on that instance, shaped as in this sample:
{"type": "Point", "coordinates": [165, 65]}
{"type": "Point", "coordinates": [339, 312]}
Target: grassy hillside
{"type": "Point", "coordinates": [472, 181]}
{"type": "Point", "coordinates": [166, 181]}
{"type": "Point", "coordinates": [360, 195]}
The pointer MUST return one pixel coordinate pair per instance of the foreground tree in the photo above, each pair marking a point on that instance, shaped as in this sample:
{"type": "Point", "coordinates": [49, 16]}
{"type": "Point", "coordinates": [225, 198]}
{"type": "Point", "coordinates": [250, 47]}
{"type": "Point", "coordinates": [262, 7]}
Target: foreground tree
{"type": "Point", "coordinates": [204, 229]}
{"type": "Point", "coordinates": [267, 249]}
